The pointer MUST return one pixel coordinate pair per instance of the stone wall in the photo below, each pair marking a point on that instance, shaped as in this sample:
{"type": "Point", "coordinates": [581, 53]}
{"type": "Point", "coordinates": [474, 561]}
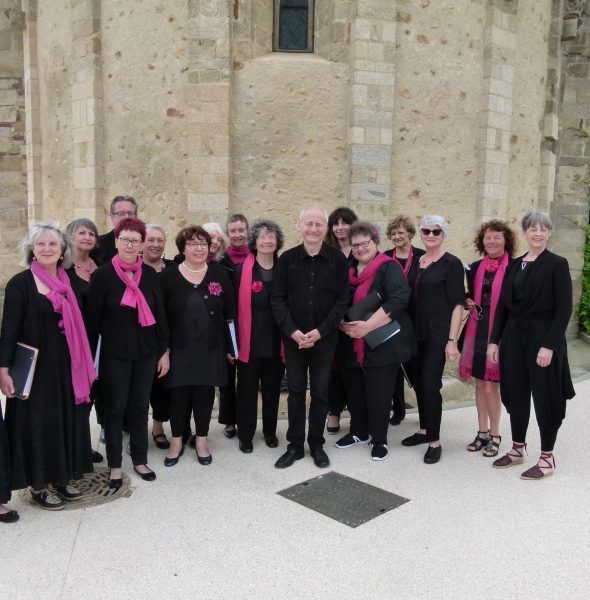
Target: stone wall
{"type": "Point", "coordinates": [13, 191]}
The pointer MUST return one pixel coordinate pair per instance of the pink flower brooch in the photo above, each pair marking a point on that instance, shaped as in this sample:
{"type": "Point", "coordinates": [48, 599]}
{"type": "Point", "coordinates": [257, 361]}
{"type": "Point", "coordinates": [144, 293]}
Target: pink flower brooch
{"type": "Point", "coordinates": [257, 286]}
{"type": "Point", "coordinates": [215, 288]}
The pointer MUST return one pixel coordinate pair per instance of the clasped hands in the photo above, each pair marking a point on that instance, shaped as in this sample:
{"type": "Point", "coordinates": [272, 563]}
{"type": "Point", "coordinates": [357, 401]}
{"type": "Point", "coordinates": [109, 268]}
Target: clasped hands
{"type": "Point", "coordinates": [355, 329]}
{"type": "Point", "coordinates": [305, 340]}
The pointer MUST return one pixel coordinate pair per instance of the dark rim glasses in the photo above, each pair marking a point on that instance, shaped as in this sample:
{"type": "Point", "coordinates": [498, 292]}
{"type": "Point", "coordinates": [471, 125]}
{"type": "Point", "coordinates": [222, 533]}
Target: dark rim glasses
{"type": "Point", "coordinates": [434, 232]}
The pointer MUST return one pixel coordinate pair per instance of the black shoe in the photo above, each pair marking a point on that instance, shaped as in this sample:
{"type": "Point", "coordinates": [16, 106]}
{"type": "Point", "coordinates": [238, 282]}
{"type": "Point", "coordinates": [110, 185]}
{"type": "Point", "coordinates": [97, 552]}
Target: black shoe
{"type": "Point", "coordinates": [229, 433]}
{"type": "Point", "coordinates": [68, 492]}
{"type": "Point", "coordinates": [415, 439]}
{"type": "Point", "coordinates": [161, 441]}
{"type": "Point", "coordinates": [96, 456]}
{"type": "Point", "coordinates": [432, 455]}
{"type": "Point", "coordinates": [170, 462]}
{"type": "Point", "coordinates": [204, 460]}
{"type": "Point", "coordinates": [192, 442]}
{"type": "Point", "coordinates": [333, 429]}
{"type": "Point", "coordinates": [246, 447]}
{"type": "Point", "coordinates": [149, 476]}
{"type": "Point", "coordinates": [396, 419]}
{"type": "Point", "coordinates": [320, 458]}
{"type": "Point", "coordinates": [287, 459]}
{"type": "Point", "coordinates": [48, 499]}
{"type": "Point", "coordinates": [9, 517]}
{"type": "Point", "coordinates": [271, 441]}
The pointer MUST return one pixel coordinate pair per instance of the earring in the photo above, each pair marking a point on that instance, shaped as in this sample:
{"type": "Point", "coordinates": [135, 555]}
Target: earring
{"type": "Point", "coordinates": [61, 258]}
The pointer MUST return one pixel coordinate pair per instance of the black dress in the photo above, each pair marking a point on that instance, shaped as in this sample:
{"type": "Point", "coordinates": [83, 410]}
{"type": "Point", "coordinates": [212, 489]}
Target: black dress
{"type": "Point", "coordinates": [48, 434]}
{"type": "Point", "coordinates": [4, 463]}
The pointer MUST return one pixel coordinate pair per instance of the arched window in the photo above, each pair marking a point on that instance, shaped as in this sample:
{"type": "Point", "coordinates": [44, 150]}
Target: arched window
{"type": "Point", "coordinates": [293, 26]}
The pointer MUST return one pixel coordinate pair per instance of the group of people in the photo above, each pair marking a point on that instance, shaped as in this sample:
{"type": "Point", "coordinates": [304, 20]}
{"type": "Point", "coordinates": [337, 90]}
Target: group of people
{"type": "Point", "coordinates": [119, 326]}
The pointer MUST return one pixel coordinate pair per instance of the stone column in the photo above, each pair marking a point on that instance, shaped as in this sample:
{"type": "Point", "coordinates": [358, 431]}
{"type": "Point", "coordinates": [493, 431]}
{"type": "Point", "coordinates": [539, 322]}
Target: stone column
{"type": "Point", "coordinates": [87, 112]}
{"type": "Point", "coordinates": [371, 114]}
{"type": "Point", "coordinates": [494, 143]}
{"type": "Point", "coordinates": [208, 95]}
{"type": "Point", "coordinates": [13, 193]}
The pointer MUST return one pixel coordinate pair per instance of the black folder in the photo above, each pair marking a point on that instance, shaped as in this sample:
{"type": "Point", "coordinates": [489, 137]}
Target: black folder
{"type": "Point", "coordinates": [363, 310]}
{"type": "Point", "coordinates": [22, 369]}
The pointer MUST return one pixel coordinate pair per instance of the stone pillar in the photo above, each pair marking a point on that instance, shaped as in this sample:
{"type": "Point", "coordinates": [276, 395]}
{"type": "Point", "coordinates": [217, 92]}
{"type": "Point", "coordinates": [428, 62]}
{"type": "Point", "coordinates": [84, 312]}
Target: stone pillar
{"type": "Point", "coordinates": [208, 95]}
{"type": "Point", "coordinates": [496, 116]}
{"type": "Point", "coordinates": [371, 114]}
{"type": "Point", "coordinates": [13, 193]}
{"type": "Point", "coordinates": [87, 112]}
{"type": "Point", "coordinates": [33, 113]}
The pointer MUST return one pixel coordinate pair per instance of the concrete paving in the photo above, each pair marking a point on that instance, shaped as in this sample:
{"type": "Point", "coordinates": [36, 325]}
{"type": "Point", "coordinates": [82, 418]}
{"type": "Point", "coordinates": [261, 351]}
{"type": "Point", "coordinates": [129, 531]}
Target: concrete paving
{"type": "Point", "coordinates": [221, 531]}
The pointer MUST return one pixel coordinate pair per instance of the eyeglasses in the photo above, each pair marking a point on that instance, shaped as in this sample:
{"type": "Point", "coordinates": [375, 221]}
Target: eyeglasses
{"type": "Point", "coordinates": [360, 245]}
{"type": "Point", "coordinates": [125, 213]}
{"type": "Point", "coordinates": [193, 244]}
{"type": "Point", "coordinates": [426, 232]}
{"type": "Point", "coordinates": [128, 242]}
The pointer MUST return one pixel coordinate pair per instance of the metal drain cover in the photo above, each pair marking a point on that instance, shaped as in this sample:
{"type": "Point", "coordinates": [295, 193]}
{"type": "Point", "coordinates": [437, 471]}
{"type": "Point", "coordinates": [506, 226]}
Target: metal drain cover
{"type": "Point", "coordinates": [343, 499]}
{"type": "Point", "coordinates": [95, 490]}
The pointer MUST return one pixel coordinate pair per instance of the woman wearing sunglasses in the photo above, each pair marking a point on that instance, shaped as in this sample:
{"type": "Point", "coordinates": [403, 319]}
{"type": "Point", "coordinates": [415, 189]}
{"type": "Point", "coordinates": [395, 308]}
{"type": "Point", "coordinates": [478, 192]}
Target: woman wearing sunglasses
{"type": "Point", "coordinates": [438, 296]}
{"type": "Point", "coordinates": [495, 241]}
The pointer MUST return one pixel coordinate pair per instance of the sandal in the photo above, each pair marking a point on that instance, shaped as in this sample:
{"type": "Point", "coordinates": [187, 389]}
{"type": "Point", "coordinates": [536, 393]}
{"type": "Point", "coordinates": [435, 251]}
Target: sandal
{"type": "Point", "coordinates": [544, 468]}
{"type": "Point", "coordinates": [514, 457]}
{"type": "Point", "coordinates": [479, 442]}
{"type": "Point", "coordinates": [492, 446]}
{"type": "Point", "coordinates": [161, 441]}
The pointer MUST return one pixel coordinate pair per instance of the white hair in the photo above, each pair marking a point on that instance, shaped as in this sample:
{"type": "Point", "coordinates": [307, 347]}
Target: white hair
{"type": "Point", "coordinates": [35, 232]}
{"type": "Point", "coordinates": [160, 228]}
{"type": "Point", "coordinates": [303, 211]}
{"type": "Point", "coordinates": [435, 220]}
{"type": "Point", "coordinates": [217, 229]}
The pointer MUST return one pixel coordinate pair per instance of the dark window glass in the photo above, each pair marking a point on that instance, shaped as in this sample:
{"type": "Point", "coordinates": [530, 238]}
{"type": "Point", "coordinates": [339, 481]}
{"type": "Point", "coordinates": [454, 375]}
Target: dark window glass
{"type": "Point", "coordinates": [294, 21]}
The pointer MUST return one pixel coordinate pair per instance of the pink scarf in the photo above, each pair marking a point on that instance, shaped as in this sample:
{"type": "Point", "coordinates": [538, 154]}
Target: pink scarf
{"type": "Point", "coordinates": [64, 301]}
{"type": "Point", "coordinates": [492, 371]}
{"type": "Point", "coordinates": [238, 255]}
{"type": "Point", "coordinates": [363, 283]}
{"type": "Point", "coordinates": [245, 308]}
{"type": "Point", "coordinates": [133, 296]}
{"type": "Point", "coordinates": [408, 265]}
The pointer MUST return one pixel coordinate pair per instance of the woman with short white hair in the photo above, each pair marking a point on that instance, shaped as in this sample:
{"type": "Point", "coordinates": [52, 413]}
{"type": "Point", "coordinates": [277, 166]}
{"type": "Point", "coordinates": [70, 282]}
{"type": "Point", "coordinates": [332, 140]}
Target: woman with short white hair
{"type": "Point", "coordinates": [438, 296]}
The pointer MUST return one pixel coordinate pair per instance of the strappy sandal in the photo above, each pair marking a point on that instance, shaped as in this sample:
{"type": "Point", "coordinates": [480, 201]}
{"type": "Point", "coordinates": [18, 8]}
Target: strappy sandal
{"type": "Point", "coordinates": [479, 442]}
{"type": "Point", "coordinates": [492, 446]}
{"type": "Point", "coordinates": [514, 457]}
{"type": "Point", "coordinates": [544, 468]}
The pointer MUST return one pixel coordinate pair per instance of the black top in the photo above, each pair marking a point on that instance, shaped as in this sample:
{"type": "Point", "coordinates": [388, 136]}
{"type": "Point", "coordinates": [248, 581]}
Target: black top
{"type": "Point", "coordinates": [197, 317]}
{"type": "Point", "coordinates": [545, 296]}
{"type": "Point", "coordinates": [122, 335]}
{"type": "Point", "coordinates": [417, 253]}
{"type": "Point", "coordinates": [310, 292]}
{"type": "Point", "coordinates": [265, 335]}
{"type": "Point", "coordinates": [391, 284]}
{"type": "Point", "coordinates": [105, 248]}
{"type": "Point", "coordinates": [436, 291]}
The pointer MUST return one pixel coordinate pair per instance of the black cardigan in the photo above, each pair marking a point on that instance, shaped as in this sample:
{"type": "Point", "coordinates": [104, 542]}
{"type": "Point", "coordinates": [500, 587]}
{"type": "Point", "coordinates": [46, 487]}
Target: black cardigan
{"type": "Point", "coordinates": [547, 297]}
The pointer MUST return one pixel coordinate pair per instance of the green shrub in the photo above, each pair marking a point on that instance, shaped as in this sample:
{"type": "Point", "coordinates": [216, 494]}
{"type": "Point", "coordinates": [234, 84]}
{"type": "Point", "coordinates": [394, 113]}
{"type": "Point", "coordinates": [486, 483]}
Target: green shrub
{"type": "Point", "coordinates": [584, 307]}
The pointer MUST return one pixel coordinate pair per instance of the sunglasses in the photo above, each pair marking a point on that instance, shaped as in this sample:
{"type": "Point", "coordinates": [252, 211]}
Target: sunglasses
{"type": "Point", "coordinates": [434, 232]}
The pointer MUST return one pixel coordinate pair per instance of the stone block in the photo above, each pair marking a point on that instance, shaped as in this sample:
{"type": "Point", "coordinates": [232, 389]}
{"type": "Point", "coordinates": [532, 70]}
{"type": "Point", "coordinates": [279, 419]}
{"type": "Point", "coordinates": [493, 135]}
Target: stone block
{"type": "Point", "coordinates": [494, 191]}
{"type": "Point", "coordinates": [369, 192]}
{"type": "Point", "coordinates": [371, 78]}
{"type": "Point", "coordinates": [373, 9]}
{"type": "Point", "coordinates": [208, 27]}
{"type": "Point", "coordinates": [8, 114]}
{"type": "Point", "coordinates": [497, 157]}
{"type": "Point", "coordinates": [214, 184]}
{"type": "Point", "coordinates": [386, 136]}
{"type": "Point", "coordinates": [357, 135]}
{"type": "Point", "coordinates": [5, 40]}
{"type": "Point", "coordinates": [8, 97]}
{"type": "Point", "coordinates": [373, 135]}
{"type": "Point", "coordinates": [500, 88]}
{"type": "Point", "coordinates": [551, 126]}
{"type": "Point", "coordinates": [389, 31]}
{"type": "Point", "coordinates": [361, 29]}
{"type": "Point", "coordinates": [368, 117]}
{"type": "Point", "coordinates": [360, 49]}
{"type": "Point", "coordinates": [367, 155]}
{"type": "Point", "coordinates": [86, 177]}
{"type": "Point", "coordinates": [359, 95]}
{"type": "Point", "coordinates": [198, 201]}
{"type": "Point", "coordinates": [497, 120]}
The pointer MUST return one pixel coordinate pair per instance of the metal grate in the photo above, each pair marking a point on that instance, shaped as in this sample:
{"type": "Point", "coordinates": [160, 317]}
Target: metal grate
{"type": "Point", "coordinates": [95, 490]}
{"type": "Point", "coordinates": [343, 499]}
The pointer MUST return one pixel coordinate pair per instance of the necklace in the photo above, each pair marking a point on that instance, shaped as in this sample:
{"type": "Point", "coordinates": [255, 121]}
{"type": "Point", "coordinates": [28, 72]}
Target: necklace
{"type": "Point", "coordinates": [87, 269]}
{"type": "Point", "coordinates": [193, 270]}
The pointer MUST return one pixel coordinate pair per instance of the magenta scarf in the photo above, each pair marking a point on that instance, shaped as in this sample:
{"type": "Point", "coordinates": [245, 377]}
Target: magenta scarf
{"type": "Point", "coordinates": [64, 301]}
{"type": "Point", "coordinates": [408, 265]}
{"type": "Point", "coordinates": [499, 265]}
{"type": "Point", "coordinates": [245, 308]}
{"type": "Point", "coordinates": [133, 296]}
{"type": "Point", "coordinates": [238, 255]}
{"type": "Point", "coordinates": [363, 283]}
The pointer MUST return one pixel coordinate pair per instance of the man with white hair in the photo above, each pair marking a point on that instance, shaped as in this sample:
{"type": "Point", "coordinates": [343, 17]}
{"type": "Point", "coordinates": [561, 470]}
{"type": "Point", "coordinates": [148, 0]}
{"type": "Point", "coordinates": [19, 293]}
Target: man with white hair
{"type": "Point", "coordinates": [309, 298]}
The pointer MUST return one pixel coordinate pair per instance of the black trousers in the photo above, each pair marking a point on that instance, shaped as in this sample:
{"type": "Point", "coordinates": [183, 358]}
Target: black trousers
{"type": "Point", "coordinates": [227, 398]}
{"type": "Point", "coordinates": [370, 391]}
{"type": "Point", "coordinates": [398, 404]}
{"type": "Point", "coordinates": [316, 361]}
{"type": "Point", "coordinates": [521, 376]}
{"type": "Point", "coordinates": [200, 399]}
{"type": "Point", "coordinates": [160, 401]}
{"type": "Point", "coordinates": [337, 395]}
{"type": "Point", "coordinates": [268, 372]}
{"type": "Point", "coordinates": [126, 386]}
{"type": "Point", "coordinates": [425, 372]}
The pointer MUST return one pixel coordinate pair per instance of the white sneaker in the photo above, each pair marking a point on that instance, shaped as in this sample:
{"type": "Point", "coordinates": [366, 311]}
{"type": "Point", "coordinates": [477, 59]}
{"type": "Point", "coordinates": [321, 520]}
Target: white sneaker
{"type": "Point", "coordinates": [351, 440]}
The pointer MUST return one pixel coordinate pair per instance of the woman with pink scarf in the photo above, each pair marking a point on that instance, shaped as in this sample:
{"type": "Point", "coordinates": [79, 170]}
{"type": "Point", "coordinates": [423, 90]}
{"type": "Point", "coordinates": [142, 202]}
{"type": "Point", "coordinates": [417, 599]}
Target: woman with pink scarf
{"type": "Point", "coordinates": [48, 433]}
{"type": "Point", "coordinates": [495, 240]}
{"type": "Point", "coordinates": [125, 307]}
{"type": "Point", "coordinates": [370, 373]}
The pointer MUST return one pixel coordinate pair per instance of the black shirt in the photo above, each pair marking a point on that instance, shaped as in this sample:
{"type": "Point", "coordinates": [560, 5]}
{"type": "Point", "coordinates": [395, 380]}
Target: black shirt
{"type": "Point", "coordinates": [122, 335]}
{"type": "Point", "coordinates": [310, 292]}
{"type": "Point", "coordinates": [105, 247]}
